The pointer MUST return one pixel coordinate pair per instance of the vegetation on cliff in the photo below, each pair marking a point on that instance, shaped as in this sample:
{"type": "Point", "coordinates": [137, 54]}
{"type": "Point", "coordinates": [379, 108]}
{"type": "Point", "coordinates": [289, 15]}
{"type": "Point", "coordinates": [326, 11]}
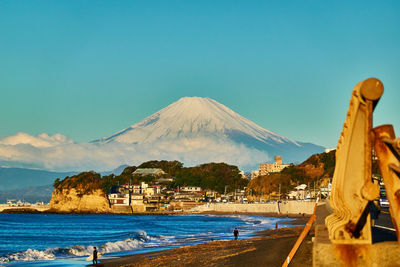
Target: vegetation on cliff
{"type": "Point", "coordinates": [170, 167]}
{"type": "Point", "coordinates": [84, 182]}
{"type": "Point", "coordinates": [213, 176]}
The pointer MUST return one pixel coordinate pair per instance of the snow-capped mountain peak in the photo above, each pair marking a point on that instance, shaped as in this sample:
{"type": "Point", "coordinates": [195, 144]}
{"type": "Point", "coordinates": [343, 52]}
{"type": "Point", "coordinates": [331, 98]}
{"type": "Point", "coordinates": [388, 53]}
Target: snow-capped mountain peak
{"type": "Point", "coordinates": [193, 130]}
{"type": "Point", "coordinates": [203, 124]}
{"type": "Point", "coordinates": [191, 117]}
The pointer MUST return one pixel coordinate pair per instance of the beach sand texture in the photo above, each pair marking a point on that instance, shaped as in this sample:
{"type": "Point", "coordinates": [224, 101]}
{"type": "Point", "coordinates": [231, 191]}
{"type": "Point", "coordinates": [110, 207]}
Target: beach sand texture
{"type": "Point", "coordinates": [268, 248]}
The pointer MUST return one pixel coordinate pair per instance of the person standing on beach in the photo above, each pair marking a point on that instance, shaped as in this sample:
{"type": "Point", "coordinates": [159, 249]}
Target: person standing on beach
{"type": "Point", "coordinates": [94, 256]}
{"type": "Point", "coordinates": [236, 233]}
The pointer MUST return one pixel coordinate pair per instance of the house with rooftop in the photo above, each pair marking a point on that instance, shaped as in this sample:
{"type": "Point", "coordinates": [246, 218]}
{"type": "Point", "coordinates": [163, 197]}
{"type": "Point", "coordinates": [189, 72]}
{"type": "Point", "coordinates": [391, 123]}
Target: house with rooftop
{"type": "Point", "coordinates": [136, 199]}
{"type": "Point", "coordinates": [150, 190]}
{"type": "Point", "coordinates": [119, 196]}
{"type": "Point", "coordinates": [190, 188]}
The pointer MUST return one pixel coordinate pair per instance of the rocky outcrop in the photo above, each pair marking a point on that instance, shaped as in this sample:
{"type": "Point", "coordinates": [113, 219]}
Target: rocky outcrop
{"type": "Point", "coordinates": [71, 201]}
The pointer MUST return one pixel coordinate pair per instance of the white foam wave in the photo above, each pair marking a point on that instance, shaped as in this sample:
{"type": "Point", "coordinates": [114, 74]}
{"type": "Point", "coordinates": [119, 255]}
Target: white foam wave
{"type": "Point", "coordinates": [29, 255]}
{"type": "Point", "coordinates": [78, 250]}
{"type": "Point", "coordinates": [127, 244]}
{"type": "Point", "coordinates": [50, 254]}
{"type": "Point", "coordinates": [259, 220]}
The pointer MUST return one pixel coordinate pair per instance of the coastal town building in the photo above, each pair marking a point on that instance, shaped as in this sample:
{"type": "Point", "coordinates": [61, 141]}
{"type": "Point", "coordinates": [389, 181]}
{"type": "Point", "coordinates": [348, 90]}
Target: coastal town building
{"type": "Point", "coordinates": [145, 197]}
{"type": "Point", "coordinates": [277, 166]}
{"type": "Point", "coordinates": [136, 199]}
{"type": "Point", "coordinates": [211, 195]}
{"type": "Point", "coordinates": [134, 188]}
{"type": "Point", "coordinates": [141, 197]}
{"type": "Point", "coordinates": [189, 196]}
{"type": "Point", "coordinates": [239, 196]}
{"type": "Point", "coordinates": [299, 192]}
{"type": "Point", "coordinates": [190, 188]}
{"type": "Point", "coordinates": [150, 190]}
{"type": "Point", "coordinates": [119, 199]}
{"type": "Point", "coordinates": [143, 188]}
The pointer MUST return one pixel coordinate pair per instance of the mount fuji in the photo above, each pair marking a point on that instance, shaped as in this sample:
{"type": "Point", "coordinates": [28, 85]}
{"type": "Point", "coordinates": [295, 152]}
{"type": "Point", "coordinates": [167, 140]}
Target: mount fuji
{"type": "Point", "coordinates": [193, 130]}
{"type": "Point", "coordinates": [197, 130]}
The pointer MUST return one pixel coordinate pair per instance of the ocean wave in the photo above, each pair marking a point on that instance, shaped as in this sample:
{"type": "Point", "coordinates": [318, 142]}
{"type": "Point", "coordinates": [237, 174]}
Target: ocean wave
{"type": "Point", "coordinates": [133, 240]}
{"type": "Point", "coordinates": [259, 220]}
{"type": "Point", "coordinates": [28, 255]}
{"type": "Point", "coordinates": [137, 240]}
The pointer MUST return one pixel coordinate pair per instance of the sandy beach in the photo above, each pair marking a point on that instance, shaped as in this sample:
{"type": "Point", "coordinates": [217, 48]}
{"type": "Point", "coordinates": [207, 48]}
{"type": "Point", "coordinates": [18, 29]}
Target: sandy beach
{"type": "Point", "coordinates": [267, 248]}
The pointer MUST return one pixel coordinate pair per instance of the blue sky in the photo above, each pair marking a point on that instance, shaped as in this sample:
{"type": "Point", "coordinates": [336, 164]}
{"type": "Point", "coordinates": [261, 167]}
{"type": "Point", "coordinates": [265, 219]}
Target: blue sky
{"type": "Point", "coordinates": [87, 69]}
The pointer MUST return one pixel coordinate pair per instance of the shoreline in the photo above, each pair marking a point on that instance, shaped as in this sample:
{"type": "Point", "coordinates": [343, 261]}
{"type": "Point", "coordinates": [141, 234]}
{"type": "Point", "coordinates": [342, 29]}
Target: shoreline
{"type": "Point", "coordinates": [35, 211]}
{"type": "Point", "coordinates": [253, 238]}
{"type": "Point", "coordinates": [243, 252]}
{"type": "Point", "coordinates": [266, 214]}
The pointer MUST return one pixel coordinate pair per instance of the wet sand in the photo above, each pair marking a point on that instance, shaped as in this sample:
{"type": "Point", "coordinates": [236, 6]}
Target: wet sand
{"type": "Point", "coordinates": [267, 248]}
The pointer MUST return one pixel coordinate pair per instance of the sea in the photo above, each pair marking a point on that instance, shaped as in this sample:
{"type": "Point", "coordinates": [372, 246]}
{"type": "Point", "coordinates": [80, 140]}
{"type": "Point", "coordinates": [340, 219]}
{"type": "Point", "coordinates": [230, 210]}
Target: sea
{"type": "Point", "coordinates": [68, 240]}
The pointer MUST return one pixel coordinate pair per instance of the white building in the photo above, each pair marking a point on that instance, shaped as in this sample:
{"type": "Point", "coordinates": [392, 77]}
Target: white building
{"type": "Point", "coordinates": [143, 188]}
{"type": "Point", "coordinates": [190, 188]}
{"type": "Point", "coordinates": [150, 190]}
{"type": "Point", "coordinates": [119, 199]}
{"type": "Point", "coordinates": [300, 192]}
{"type": "Point", "coordinates": [277, 166]}
{"type": "Point", "coordinates": [134, 188]}
{"type": "Point", "coordinates": [136, 199]}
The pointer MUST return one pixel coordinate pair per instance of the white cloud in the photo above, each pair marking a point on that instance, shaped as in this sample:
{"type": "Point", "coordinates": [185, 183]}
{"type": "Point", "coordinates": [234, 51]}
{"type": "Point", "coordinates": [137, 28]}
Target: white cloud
{"type": "Point", "coordinates": [42, 140]}
{"type": "Point", "coordinates": [59, 153]}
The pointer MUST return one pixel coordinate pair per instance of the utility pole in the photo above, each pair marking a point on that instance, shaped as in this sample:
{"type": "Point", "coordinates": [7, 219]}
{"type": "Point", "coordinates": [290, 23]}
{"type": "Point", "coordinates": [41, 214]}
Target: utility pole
{"type": "Point", "coordinates": [279, 191]}
{"type": "Point", "coordinates": [314, 189]}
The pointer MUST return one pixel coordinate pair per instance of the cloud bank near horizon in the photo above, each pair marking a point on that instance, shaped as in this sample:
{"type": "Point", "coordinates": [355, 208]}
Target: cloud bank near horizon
{"type": "Point", "coordinates": [59, 153]}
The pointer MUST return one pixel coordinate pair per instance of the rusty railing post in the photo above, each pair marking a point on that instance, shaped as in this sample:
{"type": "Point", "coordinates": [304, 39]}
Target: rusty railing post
{"type": "Point", "coordinates": [387, 149]}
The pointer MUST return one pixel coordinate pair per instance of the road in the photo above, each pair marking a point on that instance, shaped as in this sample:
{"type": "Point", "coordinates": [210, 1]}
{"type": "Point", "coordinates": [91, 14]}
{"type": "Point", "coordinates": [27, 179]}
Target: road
{"type": "Point", "coordinates": [383, 230]}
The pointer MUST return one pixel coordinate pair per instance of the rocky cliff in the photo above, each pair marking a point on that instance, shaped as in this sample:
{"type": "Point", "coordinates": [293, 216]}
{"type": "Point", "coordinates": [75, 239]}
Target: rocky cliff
{"type": "Point", "coordinates": [70, 200]}
{"type": "Point", "coordinates": [80, 193]}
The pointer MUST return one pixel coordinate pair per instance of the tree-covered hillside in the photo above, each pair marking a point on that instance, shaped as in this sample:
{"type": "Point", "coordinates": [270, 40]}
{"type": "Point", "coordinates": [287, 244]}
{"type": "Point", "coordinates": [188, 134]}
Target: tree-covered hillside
{"type": "Point", "coordinates": [213, 176]}
{"type": "Point", "coordinates": [318, 168]}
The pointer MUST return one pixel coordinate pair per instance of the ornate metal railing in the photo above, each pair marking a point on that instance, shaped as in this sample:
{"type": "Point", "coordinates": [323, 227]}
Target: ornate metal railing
{"type": "Point", "coordinates": [352, 186]}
